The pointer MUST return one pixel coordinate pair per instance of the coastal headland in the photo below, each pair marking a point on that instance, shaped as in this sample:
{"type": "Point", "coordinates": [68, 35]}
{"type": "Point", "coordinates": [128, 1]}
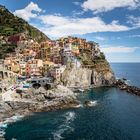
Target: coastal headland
{"type": "Point", "coordinates": [39, 74]}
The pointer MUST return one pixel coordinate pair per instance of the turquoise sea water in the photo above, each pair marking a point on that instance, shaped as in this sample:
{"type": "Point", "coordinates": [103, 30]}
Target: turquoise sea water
{"type": "Point", "coordinates": [116, 116]}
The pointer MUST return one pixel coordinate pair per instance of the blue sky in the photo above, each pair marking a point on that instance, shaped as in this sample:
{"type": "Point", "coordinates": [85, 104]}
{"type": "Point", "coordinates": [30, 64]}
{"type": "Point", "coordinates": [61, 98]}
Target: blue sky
{"type": "Point", "coordinates": [114, 24]}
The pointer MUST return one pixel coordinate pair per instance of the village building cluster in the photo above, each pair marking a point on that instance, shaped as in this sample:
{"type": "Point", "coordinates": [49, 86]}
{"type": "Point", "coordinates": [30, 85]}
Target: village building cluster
{"type": "Point", "coordinates": [48, 58]}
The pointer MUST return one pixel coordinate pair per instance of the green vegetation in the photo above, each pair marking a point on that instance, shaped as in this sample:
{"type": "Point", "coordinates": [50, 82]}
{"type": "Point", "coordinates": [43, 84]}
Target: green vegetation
{"type": "Point", "coordinates": [98, 62]}
{"type": "Point", "coordinates": [11, 25]}
{"type": "Point", "coordinates": [6, 48]}
{"type": "Point", "coordinates": [101, 56]}
{"type": "Point", "coordinates": [87, 58]}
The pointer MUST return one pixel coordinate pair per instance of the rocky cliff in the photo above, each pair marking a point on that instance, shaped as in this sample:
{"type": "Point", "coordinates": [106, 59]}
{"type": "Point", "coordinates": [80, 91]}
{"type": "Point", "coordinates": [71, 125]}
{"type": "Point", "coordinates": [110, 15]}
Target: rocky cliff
{"type": "Point", "coordinates": [97, 73]}
{"type": "Point", "coordinates": [83, 77]}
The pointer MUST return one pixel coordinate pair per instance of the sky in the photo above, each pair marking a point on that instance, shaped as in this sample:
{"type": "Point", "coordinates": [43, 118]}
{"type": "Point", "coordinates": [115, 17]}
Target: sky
{"type": "Point", "coordinates": [114, 24]}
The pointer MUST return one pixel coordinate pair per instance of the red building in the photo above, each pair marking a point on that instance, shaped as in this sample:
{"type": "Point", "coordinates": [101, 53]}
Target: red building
{"type": "Point", "coordinates": [14, 39]}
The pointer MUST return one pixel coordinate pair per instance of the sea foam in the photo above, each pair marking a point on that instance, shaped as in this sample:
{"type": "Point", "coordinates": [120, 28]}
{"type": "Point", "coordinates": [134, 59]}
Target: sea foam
{"type": "Point", "coordinates": [4, 124]}
{"type": "Point", "coordinates": [94, 103]}
{"type": "Point", "coordinates": [65, 126]}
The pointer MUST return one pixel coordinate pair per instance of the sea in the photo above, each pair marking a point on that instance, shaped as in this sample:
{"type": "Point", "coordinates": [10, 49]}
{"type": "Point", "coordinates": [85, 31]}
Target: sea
{"type": "Point", "coordinates": [115, 115]}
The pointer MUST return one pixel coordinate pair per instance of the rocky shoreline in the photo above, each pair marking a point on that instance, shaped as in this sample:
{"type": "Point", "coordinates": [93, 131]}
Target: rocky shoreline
{"type": "Point", "coordinates": [9, 108]}
{"type": "Point", "coordinates": [39, 100]}
{"type": "Point", "coordinates": [121, 84]}
{"type": "Point", "coordinates": [57, 98]}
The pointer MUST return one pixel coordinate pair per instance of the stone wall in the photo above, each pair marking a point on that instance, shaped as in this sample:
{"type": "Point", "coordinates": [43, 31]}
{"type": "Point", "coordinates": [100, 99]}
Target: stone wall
{"type": "Point", "coordinates": [7, 78]}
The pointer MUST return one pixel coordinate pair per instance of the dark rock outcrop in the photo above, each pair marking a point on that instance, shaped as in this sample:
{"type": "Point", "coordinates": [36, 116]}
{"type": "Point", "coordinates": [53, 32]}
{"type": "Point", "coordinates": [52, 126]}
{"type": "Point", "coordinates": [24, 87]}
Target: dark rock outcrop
{"type": "Point", "coordinates": [130, 89]}
{"type": "Point", "coordinates": [88, 103]}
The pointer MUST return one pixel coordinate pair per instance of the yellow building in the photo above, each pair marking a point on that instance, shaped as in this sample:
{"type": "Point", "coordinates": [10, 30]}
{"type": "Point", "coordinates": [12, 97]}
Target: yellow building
{"type": "Point", "coordinates": [15, 67]}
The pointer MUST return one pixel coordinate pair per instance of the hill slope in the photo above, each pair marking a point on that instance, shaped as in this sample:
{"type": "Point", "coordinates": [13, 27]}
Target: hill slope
{"type": "Point", "coordinates": [12, 25]}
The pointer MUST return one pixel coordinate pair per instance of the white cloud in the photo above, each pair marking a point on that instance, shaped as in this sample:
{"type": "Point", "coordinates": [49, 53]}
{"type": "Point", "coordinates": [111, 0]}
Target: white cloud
{"type": "Point", "coordinates": [54, 20]}
{"type": "Point", "coordinates": [134, 36]}
{"type": "Point", "coordinates": [100, 38]}
{"type": "Point", "coordinates": [63, 26]}
{"type": "Point", "coordinates": [76, 3]}
{"type": "Point", "coordinates": [76, 13]}
{"type": "Point", "coordinates": [118, 49]}
{"type": "Point", "coordinates": [135, 21]}
{"type": "Point", "coordinates": [57, 25]}
{"type": "Point", "coordinates": [27, 12]}
{"type": "Point", "coordinates": [107, 5]}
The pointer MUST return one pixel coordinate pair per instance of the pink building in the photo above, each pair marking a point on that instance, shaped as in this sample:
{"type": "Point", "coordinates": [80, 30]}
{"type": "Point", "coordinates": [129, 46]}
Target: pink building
{"type": "Point", "coordinates": [34, 67]}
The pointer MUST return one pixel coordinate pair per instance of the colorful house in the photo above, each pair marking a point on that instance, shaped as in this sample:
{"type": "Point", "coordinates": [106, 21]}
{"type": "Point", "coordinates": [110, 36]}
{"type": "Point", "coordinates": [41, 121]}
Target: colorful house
{"type": "Point", "coordinates": [15, 67]}
{"type": "Point", "coordinates": [34, 67]}
{"type": "Point", "coordinates": [55, 54]}
{"type": "Point", "coordinates": [57, 71]}
{"type": "Point", "coordinates": [22, 65]}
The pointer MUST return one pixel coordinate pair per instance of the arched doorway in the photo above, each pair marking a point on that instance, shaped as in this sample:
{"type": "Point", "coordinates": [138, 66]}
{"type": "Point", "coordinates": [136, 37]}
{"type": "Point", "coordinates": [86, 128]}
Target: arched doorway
{"type": "Point", "coordinates": [36, 85]}
{"type": "Point", "coordinates": [47, 86]}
